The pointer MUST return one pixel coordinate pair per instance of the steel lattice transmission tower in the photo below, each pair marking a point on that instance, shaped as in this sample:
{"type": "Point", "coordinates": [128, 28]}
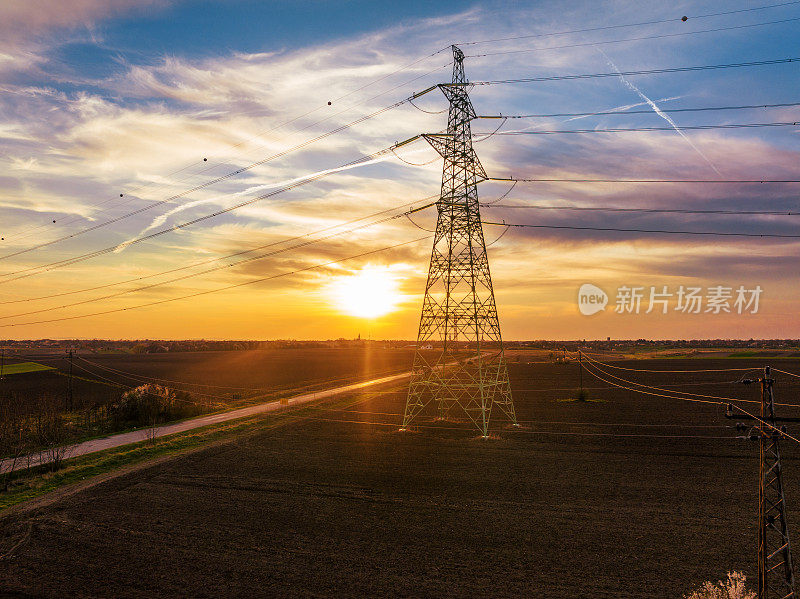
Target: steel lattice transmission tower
{"type": "Point", "coordinates": [459, 316]}
{"type": "Point", "coordinates": [775, 568]}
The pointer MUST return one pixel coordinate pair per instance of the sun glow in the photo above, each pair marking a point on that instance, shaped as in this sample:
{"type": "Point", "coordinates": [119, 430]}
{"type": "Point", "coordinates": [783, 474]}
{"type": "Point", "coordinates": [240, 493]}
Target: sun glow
{"type": "Point", "coordinates": [369, 293]}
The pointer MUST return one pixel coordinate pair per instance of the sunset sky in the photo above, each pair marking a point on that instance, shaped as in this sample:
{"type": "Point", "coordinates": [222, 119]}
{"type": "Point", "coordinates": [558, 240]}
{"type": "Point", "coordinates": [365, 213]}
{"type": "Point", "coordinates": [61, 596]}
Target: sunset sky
{"type": "Point", "coordinates": [150, 99]}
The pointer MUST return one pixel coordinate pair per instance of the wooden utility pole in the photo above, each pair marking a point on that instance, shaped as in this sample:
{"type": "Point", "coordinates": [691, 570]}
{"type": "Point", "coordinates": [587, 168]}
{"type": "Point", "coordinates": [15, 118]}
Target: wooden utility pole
{"type": "Point", "coordinates": [775, 566]}
{"type": "Point", "coordinates": [775, 569]}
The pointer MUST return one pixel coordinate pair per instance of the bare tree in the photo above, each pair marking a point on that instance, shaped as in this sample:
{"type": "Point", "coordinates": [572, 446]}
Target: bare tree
{"type": "Point", "coordinates": [14, 440]}
{"type": "Point", "coordinates": [51, 433]}
{"type": "Point", "coordinates": [152, 425]}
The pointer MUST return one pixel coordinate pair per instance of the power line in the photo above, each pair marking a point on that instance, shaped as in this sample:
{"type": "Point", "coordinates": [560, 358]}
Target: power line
{"type": "Point", "coordinates": [547, 422]}
{"type": "Point", "coordinates": [215, 259]}
{"type": "Point", "coordinates": [589, 354]}
{"type": "Point", "coordinates": [549, 389]}
{"type": "Point", "coordinates": [732, 65]}
{"type": "Point", "coordinates": [139, 380]}
{"type": "Point", "coordinates": [632, 129]}
{"type": "Point", "coordinates": [785, 372]}
{"type": "Point", "coordinates": [218, 289]}
{"type": "Point", "coordinates": [34, 270]}
{"type": "Point", "coordinates": [138, 377]}
{"type": "Point", "coordinates": [645, 210]}
{"type": "Point", "coordinates": [105, 380]}
{"type": "Point", "coordinates": [27, 232]}
{"type": "Point", "coordinates": [204, 403]}
{"type": "Point", "coordinates": [260, 162]}
{"type": "Point", "coordinates": [528, 432]}
{"type": "Point", "coordinates": [219, 179]}
{"type": "Point", "coordinates": [306, 384]}
{"type": "Point", "coordinates": [625, 112]}
{"type": "Point", "coordinates": [719, 399]}
{"type": "Point", "coordinates": [283, 124]}
{"type": "Point", "coordinates": [238, 171]}
{"type": "Point", "coordinates": [595, 363]}
{"type": "Point", "coordinates": [214, 268]}
{"type": "Point", "coordinates": [641, 23]}
{"type": "Point", "coordinates": [635, 39]}
{"type": "Point", "coordinates": [763, 422]}
{"type": "Point", "coordinates": [622, 230]}
{"type": "Point", "coordinates": [555, 180]}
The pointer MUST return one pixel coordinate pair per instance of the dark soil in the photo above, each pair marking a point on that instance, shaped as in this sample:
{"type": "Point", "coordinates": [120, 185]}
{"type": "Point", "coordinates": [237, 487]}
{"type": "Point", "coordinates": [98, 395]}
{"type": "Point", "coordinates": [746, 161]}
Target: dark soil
{"type": "Point", "coordinates": [612, 497]}
{"type": "Point", "coordinates": [213, 377]}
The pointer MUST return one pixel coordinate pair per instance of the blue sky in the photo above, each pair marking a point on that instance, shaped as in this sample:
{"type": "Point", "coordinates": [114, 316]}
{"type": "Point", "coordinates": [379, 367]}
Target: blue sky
{"type": "Point", "coordinates": [199, 29]}
{"type": "Point", "coordinates": [102, 98]}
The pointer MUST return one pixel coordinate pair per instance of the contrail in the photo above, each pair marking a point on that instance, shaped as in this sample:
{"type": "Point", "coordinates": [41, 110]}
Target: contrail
{"type": "Point", "coordinates": [162, 218]}
{"type": "Point", "coordinates": [623, 108]}
{"type": "Point", "coordinates": [659, 112]}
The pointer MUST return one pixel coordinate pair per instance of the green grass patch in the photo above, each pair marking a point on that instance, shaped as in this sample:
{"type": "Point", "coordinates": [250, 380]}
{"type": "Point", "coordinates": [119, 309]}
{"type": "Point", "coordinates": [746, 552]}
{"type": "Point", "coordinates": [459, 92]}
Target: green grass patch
{"type": "Point", "coordinates": [24, 367]}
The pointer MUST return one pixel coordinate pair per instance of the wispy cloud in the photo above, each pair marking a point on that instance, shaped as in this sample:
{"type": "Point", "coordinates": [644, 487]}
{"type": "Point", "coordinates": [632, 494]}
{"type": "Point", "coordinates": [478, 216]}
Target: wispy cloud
{"type": "Point", "coordinates": [23, 18]}
{"type": "Point", "coordinates": [659, 112]}
{"type": "Point", "coordinates": [251, 191]}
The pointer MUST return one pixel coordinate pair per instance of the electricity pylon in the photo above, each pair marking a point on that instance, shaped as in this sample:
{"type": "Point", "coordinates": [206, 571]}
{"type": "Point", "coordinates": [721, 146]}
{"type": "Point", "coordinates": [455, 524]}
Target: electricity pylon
{"type": "Point", "coordinates": [775, 568]}
{"type": "Point", "coordinates": [459, 316]}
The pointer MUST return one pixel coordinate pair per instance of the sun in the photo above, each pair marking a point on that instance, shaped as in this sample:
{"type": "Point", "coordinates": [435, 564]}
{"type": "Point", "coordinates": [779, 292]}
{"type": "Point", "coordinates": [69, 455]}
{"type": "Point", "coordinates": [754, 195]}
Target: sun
{"type": "Point", "coordinates": [369, 293]}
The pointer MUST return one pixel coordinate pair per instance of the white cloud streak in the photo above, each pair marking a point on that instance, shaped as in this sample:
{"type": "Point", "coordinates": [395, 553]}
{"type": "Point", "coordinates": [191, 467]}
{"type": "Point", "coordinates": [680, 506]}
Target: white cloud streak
{"type": "Point", "coordinates": [659, 112]}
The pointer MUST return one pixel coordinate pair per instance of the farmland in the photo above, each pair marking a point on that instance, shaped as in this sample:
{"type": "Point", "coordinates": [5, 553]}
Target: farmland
{"type": "Point", "coordinates": [228, 378]}
{"type": "Point", "coordinates": [24, 367]}
{"type": "Point", "coordinates": [206, 382]}
{"type": "Point", "coordinates": [216, 377]}
{"type": "Point", "coordinates": [625, 495]}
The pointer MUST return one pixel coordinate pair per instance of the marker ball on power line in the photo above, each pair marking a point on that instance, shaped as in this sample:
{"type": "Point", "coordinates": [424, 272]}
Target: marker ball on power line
{"type": "Point", "coordinates": [684, 18]}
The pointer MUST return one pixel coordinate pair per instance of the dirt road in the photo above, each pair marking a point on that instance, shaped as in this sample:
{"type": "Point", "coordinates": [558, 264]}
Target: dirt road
{"type": "Point", "coordinates": [136, 436]}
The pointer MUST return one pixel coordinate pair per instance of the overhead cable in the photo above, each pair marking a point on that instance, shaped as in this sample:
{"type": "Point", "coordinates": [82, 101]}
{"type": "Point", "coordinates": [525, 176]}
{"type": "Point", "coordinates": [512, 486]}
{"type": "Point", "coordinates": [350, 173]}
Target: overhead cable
{"type": "Point", "coordinates": [638, 24]}
{"type": "Point", "coordinates": [625, 112]}
{"type": "Point", "coordinates": [635, 39]}
{"type": "Point", "coordinates": [218, 289]}
{"type": "Point", "coordinates": [659, 231]}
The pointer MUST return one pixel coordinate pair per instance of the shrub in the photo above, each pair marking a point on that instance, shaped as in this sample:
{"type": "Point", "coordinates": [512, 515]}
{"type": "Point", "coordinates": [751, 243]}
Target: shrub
{"type": "Point", "coordinates": [151, 404]}
{"type": "Point", "coordinates": [733, 588]}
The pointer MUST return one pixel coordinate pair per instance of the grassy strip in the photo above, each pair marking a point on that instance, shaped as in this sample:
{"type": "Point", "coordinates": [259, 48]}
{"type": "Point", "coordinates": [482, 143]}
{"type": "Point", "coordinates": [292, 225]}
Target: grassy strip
{"type": "Point", "coordinates": [737, 356]}
{"type": "Point", "coordinates": [23, 367]}
{"type": "Point", "coordinates": [39, 481]}
{"type": "Point", "coordinates": [733, 356]}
